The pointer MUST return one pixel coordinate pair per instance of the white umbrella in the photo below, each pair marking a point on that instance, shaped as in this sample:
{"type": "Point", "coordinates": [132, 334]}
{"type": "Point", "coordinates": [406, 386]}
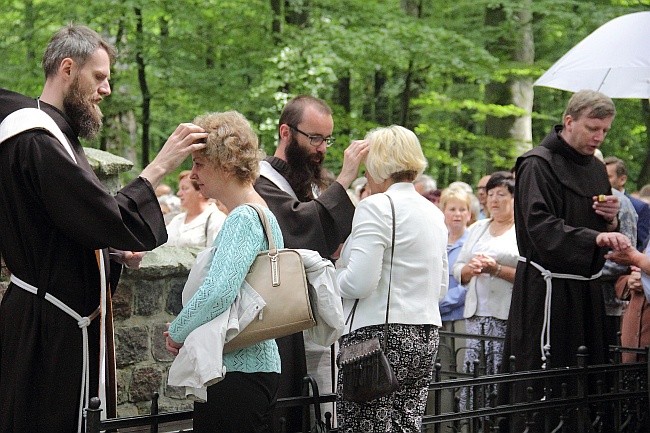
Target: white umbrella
{"type": "Point", "coordinates": [614, 60]}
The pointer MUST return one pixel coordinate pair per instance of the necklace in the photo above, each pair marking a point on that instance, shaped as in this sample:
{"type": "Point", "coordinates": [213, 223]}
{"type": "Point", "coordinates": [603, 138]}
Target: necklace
{"type": "Point", "coordinates": [499, 228]}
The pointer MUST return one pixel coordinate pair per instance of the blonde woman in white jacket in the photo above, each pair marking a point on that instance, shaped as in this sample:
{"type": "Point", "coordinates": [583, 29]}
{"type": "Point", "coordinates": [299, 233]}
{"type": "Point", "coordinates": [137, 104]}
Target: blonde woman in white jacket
{"type": "Point", "coordinates": [417, 282]}
{"type": "Point", "coordinates": [486, 266]}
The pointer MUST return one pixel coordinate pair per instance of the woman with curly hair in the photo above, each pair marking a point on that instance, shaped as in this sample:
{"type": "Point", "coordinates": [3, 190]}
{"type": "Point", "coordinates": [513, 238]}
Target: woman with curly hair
{"type": "Point", "coordinates": [226, 170]}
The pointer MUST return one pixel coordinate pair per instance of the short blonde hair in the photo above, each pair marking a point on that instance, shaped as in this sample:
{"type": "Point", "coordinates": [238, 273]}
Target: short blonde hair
{"type": "Point", "coordinates": [232, 144]}
{"type": "Point", "coordinates": [455, 193]}
{"type": "Point", "coordinates": [394, 152]}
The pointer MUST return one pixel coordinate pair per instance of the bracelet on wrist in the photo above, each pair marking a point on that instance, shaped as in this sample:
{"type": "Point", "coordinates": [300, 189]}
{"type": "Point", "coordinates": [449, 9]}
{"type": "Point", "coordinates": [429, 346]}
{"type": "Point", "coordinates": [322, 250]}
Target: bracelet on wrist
{"type": "Point", "coordinates": [497, 272]}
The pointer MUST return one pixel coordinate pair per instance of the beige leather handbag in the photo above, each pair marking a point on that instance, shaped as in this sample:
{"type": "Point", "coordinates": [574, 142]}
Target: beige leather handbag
{"type": "Point", "coordinates": [278, 275]}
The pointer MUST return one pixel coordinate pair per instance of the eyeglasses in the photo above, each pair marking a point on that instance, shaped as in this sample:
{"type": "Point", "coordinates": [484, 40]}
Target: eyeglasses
{"type": "Point", "coordinates": [315, 140]}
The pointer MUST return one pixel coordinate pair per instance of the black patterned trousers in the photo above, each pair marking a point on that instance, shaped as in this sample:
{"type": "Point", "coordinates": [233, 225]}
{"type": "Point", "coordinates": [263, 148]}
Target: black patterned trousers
{"type": "Point", "coordinates": [411, 353]}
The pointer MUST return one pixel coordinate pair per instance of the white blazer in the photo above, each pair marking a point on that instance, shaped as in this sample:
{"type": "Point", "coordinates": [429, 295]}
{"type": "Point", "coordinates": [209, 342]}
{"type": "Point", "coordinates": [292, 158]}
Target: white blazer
{"type": "Point", "coordinates": [420, 274]}
{"type": "Point", "coordinates": [498, 303]}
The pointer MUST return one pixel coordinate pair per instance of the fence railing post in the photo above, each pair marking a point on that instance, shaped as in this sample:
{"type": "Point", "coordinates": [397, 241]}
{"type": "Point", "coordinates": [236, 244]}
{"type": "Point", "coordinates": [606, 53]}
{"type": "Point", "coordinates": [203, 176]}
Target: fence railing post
{"type": "Point", "coordinates": [93, 415]}
{"type": "Point", "coordinates": [529, 416]}
{"type": "Point", "coordinates": [437, 395]}
{"type": "Point", "coordinates": [583, 392]}
{"type": "Point", "coordinates": [154, 411]}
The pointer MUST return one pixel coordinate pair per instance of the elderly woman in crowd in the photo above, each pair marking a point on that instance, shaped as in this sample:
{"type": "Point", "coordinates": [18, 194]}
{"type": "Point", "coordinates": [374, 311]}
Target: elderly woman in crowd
{"type": "Point", "coordinates": [200, 220]}
{"type": "Point", "coordinates": [416, 273]}
{"type": "Point", "coordinates": [486, 266]}
{"type": "Point", "coordinates": [455, 204]}
{"type": "Point", "coordinates": [226, 170]}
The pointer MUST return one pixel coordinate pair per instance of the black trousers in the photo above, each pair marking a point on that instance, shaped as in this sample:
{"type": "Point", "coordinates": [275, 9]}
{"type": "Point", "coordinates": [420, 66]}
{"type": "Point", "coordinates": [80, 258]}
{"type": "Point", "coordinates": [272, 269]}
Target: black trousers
{"type": "Point", "coordinates": [240, 403]}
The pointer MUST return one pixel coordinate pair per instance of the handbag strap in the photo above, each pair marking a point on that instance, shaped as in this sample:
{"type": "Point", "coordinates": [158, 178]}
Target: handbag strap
{"type": "Point", "coordinates": [390, 277]}
{"type": "Point", "coordinates": [207, 226]}
{"type": "Point", "coordinates": [390, 273]}
{"type": "Point", "coordinates": [267, 227]}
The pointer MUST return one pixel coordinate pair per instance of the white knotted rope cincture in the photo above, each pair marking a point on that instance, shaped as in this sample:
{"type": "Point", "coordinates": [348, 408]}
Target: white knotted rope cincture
{"type": "Point", "coordinates": [545, 337]}
{"type": "Point", "coordinates": [83, 323]}
{"type": "Point", "coordinates": [24, 120]}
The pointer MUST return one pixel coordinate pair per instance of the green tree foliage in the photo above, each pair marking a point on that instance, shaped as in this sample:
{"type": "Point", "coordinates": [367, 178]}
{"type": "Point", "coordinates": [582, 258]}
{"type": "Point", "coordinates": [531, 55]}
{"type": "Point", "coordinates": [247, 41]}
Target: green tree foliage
{"type": "Point", "coordinates": [422, 63]}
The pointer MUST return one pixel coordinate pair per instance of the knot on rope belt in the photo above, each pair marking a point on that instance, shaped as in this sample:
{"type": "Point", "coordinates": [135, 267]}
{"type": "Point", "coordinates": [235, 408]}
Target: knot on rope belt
{"type": "Point", "coordinates": [545, 337]}
{"type": "Point", "coordinates": [83, 323]}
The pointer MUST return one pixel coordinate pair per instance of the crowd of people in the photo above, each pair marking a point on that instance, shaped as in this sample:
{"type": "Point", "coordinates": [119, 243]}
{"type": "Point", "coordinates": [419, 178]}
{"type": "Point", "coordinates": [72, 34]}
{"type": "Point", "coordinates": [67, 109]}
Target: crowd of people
{"type": "Point", "coordinates": [520, 258]}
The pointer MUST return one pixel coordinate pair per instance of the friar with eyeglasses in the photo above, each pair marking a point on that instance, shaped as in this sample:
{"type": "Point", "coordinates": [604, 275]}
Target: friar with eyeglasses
{"type": "Point", "coordinates": [311, 215]}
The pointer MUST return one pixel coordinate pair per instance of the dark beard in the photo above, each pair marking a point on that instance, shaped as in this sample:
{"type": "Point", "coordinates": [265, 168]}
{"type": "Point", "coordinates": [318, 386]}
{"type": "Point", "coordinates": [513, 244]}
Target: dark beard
{"type": "Point", "coordinates": [86, 118]}
{"type": "Point", "coordinates": [304, 169]}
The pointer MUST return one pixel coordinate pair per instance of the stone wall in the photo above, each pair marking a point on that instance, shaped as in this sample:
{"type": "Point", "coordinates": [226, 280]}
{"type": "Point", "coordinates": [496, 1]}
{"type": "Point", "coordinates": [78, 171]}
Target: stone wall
{"type": "Point", "coordinates": [146, 300]}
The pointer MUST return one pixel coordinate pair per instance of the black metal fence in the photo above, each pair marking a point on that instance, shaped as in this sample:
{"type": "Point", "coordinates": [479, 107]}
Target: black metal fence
{"type": "Point", "coordinates": [605, 398]}
{"type": "Point", "coordinates": [608, 398]}
{"type": "Point", "coordinates": [311, 398]}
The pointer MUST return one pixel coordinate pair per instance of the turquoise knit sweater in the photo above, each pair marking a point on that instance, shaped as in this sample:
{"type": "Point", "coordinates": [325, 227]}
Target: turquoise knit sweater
{"type": "Point", "coordinates": [239, 241]}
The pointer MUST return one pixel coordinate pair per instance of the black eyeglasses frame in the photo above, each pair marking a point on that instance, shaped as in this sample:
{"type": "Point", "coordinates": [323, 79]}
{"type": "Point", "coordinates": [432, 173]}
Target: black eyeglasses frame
{"type": "Point", "coordinates": [315, 140]}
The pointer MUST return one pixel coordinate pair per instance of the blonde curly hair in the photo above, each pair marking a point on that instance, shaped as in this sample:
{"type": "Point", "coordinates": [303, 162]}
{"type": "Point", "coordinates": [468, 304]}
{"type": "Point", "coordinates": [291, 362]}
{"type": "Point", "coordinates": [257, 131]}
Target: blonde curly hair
{"type": "Point", "coordinates": [232, 144]}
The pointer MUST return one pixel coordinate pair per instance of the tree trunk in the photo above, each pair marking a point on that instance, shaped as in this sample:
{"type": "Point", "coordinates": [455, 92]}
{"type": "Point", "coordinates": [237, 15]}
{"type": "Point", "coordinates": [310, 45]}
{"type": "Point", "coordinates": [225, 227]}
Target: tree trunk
{"type": "Point", "coordinates": [277, 7]}
{"type": "Point", "coordinates": [522, 87]}
{"type": "Point", "coordinates": [375, 108]}
{"type": "Point", "coordinates": [298, 15]}
{"type": "Point", "coordinates": [343, 93]}
{"type": "Point", "coordinates": [517, 91]}
{"type": "Point", "coordinates": [112, 125]}
{"type": "Point", "coordinates": [414, 9]}
{"type": "Point", "coordinates": [344, 98]}
{"type": "Point", "coordinates": [406, 96]}
{"type": "Point", "coordinates": [30, 19]}
{"type": "Point", "coordinates": [144, 88]}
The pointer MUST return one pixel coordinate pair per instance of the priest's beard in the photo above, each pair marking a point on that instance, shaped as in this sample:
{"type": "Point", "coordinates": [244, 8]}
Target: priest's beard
{"type": "Point", "coordinates": [304, 169]}
{"type": "Point", "coordinates": [86, 117]}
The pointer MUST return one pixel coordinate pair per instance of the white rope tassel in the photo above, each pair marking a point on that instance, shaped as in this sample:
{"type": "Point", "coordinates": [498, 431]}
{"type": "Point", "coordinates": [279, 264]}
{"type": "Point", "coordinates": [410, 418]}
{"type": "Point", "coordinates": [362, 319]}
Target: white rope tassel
{"type": "Point", "coordinates": [83, 323]}
{"type": "Point", "coordinates": [545, 336]}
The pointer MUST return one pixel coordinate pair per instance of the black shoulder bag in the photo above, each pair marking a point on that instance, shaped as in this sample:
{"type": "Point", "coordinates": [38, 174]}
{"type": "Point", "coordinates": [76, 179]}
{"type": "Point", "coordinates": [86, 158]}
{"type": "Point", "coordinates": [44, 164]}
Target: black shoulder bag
{"type": "Point", "coordinates": [367, 374]}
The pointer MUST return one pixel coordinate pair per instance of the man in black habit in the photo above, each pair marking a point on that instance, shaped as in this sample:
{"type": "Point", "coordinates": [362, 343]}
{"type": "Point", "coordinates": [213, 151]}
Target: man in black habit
{"type": "Point", "coordinates": [565, 220]}
{"type": "Point", "coordinates": [57, 223]}
{"type": "Point", "coordinates": [310, 215]}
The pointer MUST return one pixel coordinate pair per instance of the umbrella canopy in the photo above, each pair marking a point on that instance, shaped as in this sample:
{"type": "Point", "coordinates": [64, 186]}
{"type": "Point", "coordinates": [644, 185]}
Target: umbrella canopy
{"type": "Point", "coordinates": [614, 60]}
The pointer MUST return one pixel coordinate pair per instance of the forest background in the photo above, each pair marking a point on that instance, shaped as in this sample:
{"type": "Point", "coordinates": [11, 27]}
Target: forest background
{"type": "Point", "coordinates": [457, 72]}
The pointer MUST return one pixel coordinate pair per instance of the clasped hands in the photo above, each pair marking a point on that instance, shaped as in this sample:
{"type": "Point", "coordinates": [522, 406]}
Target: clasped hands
{"type": "Point", "coordinates": [482, 263]}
